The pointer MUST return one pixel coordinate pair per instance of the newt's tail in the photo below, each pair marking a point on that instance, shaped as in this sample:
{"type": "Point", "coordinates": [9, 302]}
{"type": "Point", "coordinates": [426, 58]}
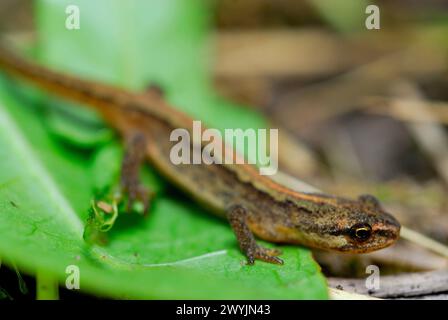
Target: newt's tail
{"type": "Point", "coordinates": [95, 94]}
{"type": "Point", "coordinates": [61, 84]}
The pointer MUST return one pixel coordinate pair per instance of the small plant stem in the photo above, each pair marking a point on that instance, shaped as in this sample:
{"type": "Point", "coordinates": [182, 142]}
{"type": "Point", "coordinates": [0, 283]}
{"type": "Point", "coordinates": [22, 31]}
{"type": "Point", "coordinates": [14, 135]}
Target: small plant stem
{"type": "Point", "coordinates": [46, 287]}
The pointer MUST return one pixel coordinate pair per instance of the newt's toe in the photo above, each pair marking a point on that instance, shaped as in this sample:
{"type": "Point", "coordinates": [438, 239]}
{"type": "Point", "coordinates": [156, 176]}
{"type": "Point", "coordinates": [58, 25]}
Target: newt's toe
{"type": "Point", "coordinates": [264, 254]}
{"type": "Point", "coordinates": [139, 195]}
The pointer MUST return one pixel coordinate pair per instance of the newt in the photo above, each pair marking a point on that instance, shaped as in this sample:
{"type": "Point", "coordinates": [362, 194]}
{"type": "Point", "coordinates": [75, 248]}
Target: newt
{"type": "Point", "coordinates": [253, 204]}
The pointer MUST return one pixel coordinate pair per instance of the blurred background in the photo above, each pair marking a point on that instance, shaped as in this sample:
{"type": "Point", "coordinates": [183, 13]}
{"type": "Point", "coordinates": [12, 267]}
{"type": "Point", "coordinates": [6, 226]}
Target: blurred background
{"type": "Point", "coordinates": [359, 111]}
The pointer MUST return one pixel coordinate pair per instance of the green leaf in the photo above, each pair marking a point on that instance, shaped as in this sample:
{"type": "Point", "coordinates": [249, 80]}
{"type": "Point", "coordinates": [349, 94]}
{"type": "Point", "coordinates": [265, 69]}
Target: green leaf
{"type": "Point", "coordinates": [79, 127]}
{"type": "Point", "coordinates": [180, 250]}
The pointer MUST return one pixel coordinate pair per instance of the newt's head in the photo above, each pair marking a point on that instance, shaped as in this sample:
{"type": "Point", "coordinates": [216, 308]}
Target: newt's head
{"type": "Point", "coordinates": [367, 227]}
{"type": "Point", "coordinates": [352, 226]}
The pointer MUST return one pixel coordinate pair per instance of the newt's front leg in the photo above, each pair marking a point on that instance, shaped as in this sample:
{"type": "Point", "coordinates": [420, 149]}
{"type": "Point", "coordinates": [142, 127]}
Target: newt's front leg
{"type": "Point", "coordinates": [237, 216]}
{"type": "Point", "coordinates": [130, 172]}
{"type": "Point", "coordinates": [104, 210]}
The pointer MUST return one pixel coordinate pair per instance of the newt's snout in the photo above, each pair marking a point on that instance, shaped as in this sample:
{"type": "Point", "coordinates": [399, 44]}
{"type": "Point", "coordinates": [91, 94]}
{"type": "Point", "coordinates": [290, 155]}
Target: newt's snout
{"type": "Point", "coordinates": [386, 230]}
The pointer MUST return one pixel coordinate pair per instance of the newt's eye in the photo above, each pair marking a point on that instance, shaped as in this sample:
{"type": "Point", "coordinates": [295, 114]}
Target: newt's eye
{"type": "Point", "coordinates": [361, 231]}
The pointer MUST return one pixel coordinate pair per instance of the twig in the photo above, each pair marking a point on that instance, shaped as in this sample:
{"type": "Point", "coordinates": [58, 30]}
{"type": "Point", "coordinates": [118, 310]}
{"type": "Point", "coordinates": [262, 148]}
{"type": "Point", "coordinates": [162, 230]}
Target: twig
{"type": "Point", "coordinates": [403, 285]}
{"type": "Point", "coordinates": [336, 294]}
{"type": "Point", "coordinates": [424, 241]}
{"type": "Point", "coordinates": [430, 136]}
{"type": "Point", "coordinates": [388, 106]}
